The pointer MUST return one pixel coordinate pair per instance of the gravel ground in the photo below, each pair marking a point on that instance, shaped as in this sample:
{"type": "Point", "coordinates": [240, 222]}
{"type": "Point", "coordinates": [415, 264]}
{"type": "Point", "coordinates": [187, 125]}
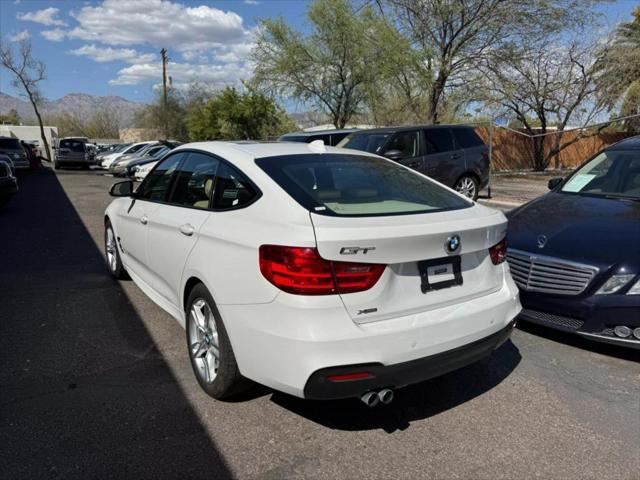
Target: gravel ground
{"type": "Point", "coordinates": [96, 383]}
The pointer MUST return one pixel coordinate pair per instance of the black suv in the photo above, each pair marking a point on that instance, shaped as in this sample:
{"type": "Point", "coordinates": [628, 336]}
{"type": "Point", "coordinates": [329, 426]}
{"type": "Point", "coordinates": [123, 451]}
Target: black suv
{"type": "Point", "coordinates": [451, 154]}
{"type": "Point", "coordinates": [329, 137]}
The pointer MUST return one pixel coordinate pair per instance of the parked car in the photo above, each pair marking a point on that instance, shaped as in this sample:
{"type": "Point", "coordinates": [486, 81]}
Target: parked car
{"type": "Point", "coordinates": [128, 156]}
{"type": "Point", "coordinates": [328, 137]}
{"type": "Point", "coordinates": [8, 184]}
{"type": "Point", "coordinates": [575, 252]}
{"type": "Point", "coordinates": [451, 154]}
{"type": "Point", "coordinates": [6, 159]}
{"type": "Point", "coordinates": [141, 171]}
{"type": "Point", "coordinates": [12, 148]}
{"type": "Point", "coordinates": [128, 168]}
{"type": "Point", "coordinates": [335, 273]}
{"type": "Point", "coordinates": [114, 149]}
{"type": "Point", "coordinates": [132, 148]}
{"type": "Point", "coordinates": [72, 152]}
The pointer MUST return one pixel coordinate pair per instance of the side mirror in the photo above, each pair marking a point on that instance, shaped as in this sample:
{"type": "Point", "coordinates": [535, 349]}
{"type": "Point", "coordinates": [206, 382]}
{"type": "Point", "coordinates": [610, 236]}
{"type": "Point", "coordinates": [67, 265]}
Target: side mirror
{"type": "Point", "coordinates": [554, 182]}
{"type": "Point", "coordinates": [122, 189]}
{"type": "Point", "coordinates": [393, 154]}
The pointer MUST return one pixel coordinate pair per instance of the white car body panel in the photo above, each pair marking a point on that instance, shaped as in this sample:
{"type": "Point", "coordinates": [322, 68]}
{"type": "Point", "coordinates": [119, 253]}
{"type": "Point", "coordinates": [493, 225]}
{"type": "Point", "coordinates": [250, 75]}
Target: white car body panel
{"type": "Point", "coordinates": [280, 339]}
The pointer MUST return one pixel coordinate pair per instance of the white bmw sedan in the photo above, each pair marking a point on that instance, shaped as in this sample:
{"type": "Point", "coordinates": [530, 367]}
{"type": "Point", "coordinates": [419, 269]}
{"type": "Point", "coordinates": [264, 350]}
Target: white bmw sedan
{"type": "Point", "coordinates": [320, 272]}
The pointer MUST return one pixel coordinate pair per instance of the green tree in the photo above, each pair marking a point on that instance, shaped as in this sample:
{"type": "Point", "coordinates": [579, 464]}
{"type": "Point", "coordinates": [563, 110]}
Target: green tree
{"type": "Point", "coordinates": [153, 115]}
{"type": "Point", "coordinates": [11, 118]}
{"type": "Point", "coordinates": [231, 115]}
{"type": "Point", "coordinates": [620, 67]}
{"type": "Point", "coordinates": [631, 106]}
{"type": "Point", "coordinates": [334, 66]}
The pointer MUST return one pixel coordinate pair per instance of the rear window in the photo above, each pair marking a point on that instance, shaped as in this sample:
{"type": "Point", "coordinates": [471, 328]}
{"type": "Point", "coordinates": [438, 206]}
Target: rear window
{"type": "Point", "coordinates": [10, 143]}
{"type": "Point", "coordinates": [73, 145]}
{"type": "Point", "coordinates": [355, 185]}
{"type": "Point", "coordinates": [367, 142]}
{"type": "Point", "coordinates": [467, 138]}
{"type": "Point", "coordinates": [439, 140]}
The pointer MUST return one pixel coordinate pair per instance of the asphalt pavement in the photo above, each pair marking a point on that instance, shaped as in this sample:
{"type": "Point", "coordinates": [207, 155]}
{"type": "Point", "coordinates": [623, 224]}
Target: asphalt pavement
{"type": "Point", "coordinates": [95, 382]}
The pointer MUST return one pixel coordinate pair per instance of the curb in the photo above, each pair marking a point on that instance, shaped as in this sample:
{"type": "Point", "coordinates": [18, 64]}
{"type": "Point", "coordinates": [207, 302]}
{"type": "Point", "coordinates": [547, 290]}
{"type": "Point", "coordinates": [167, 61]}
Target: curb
{"type": "Point", "coordinates": [500, 203]}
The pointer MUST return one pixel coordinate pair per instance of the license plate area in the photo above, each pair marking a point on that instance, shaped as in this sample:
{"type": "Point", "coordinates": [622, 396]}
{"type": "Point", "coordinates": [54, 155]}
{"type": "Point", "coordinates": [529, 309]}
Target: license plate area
{"type": "Point", "coordinates": [439, 273]}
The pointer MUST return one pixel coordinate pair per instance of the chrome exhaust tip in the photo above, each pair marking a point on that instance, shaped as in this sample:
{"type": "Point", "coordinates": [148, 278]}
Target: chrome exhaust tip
{"type": "Point", "coordinates": [370, 399]}
{"type": "Point", "coordinates": [386, 396]}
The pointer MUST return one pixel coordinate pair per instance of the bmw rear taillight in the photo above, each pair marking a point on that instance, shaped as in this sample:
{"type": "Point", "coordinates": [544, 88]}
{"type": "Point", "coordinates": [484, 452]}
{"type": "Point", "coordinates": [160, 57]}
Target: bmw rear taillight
{"type": "Point", "coordinates": [302, 271]}
{"type": "Point", "coordinates": [498, 252]}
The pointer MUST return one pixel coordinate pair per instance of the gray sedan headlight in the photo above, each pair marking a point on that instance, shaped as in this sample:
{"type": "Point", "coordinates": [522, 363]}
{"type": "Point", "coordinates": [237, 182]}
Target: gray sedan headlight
{"type": "Point", "coordinates": [615, 283]}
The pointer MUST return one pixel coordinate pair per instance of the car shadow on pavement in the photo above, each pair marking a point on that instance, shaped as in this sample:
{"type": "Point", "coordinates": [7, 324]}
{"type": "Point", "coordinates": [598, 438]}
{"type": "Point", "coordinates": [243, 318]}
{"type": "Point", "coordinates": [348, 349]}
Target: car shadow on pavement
{"type": "Point", "coordinates": [412, 403]}
{"type": "Point", "coordinates": [84, 391]}
{"type": "Point", "coordinates": [573, 340]}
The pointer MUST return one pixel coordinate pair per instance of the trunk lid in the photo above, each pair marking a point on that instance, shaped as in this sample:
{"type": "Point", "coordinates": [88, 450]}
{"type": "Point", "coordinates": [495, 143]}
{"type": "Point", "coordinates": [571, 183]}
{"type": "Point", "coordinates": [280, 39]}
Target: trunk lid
{"type": "Point", "coordinates": [401, 242]}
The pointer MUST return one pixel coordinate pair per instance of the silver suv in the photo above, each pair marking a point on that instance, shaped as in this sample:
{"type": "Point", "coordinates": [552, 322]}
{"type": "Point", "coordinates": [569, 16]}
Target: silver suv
{"type": "Point", "coordinates": [73, 151]}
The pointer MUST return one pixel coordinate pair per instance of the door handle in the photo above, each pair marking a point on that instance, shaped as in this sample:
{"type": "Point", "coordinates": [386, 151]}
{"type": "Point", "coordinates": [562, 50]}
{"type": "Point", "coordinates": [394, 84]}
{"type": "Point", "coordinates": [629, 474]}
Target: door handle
{"type": "Point", "coordinates": [187, 229]}
{"type": "Point", "coordinates": [144, 219]}
{"type": "Point", "coordinates": [414, 164]}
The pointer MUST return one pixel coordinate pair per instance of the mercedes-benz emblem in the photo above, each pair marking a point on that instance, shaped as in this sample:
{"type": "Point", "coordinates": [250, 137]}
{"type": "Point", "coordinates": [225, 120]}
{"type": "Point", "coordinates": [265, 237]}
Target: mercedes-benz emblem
{"type": "Point", "coordinates": [542, 241]}
{"type": "Point", "coordinates": [452, 244]}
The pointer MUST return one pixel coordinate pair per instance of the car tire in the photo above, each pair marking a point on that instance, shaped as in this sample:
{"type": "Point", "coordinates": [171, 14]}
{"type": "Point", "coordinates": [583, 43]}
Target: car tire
{"type": "Point", "coordinates": [468, 186]}
{"type": "Point", "coordinates": [112, 255]}
{"type": "Point", "coordinates": [210, 352]}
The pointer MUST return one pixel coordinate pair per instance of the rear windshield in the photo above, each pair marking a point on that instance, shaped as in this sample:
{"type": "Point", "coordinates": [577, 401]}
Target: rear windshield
{"type": "Point", "coordinates": [367, 142]}
{"type": "Point", "coordinates": [355, 185]}
{"type": "Point", "coordinates": [73, 145]}
{"type": "Point", "coordinates": [10, 143]}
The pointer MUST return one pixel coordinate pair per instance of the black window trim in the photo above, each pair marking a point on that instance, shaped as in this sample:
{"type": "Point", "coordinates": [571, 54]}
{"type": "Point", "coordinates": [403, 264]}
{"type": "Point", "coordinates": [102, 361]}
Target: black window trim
{"type": "Point", "coordinates": [220, 160]}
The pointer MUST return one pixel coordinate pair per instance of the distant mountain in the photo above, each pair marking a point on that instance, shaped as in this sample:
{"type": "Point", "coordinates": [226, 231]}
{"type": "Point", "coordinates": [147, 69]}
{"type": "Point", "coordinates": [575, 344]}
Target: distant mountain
{"type": "Point", "coordinates": [80, 105]}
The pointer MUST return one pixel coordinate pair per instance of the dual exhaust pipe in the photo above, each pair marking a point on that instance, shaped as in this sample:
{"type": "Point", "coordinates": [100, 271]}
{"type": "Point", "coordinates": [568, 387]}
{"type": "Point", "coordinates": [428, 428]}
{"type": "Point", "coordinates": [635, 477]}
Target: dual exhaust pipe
{"type": "Point", "coordinates": [371, 399]}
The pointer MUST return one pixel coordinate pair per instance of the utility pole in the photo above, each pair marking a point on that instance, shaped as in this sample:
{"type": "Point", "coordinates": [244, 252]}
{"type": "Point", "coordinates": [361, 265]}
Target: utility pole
{"type": "Point", "coordinates": [165, 120]}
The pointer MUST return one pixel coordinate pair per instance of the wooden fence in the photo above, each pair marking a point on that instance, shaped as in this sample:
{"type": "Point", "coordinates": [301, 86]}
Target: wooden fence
{"type": "Point", "coordinates": [513, 152]}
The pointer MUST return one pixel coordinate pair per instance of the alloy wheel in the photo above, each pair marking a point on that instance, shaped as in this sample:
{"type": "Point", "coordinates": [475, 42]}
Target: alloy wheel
{"type": "Point", "coordinates": [467, 187]}
{"type": "Point", "coordinates": [204, 346]}
{"type": "Point", "coordinates": [110, 247]}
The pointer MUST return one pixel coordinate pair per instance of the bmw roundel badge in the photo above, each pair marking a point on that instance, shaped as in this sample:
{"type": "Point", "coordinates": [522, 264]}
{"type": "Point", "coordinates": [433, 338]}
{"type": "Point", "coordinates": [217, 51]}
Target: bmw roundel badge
{"type": "Point", "coordinates": [452, 244]}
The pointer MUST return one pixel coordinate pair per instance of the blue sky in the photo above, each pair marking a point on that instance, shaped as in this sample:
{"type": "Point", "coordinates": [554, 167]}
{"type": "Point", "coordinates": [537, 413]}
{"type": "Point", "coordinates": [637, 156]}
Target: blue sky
{"type": "Point", "coordinates": [111, 46]}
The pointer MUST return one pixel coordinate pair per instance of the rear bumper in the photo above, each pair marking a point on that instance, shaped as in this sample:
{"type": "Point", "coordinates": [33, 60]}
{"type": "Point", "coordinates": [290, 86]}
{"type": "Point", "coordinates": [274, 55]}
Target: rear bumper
{"type": "Point", "coordinates": [319, 387]}
{"type": "Point", "coordinates": [288, 343]}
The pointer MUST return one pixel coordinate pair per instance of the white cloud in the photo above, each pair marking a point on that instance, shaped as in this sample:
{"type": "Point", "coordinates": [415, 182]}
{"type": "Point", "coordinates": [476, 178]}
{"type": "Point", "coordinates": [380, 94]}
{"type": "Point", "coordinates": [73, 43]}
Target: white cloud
{"type": "Point", "coordinates": [252, 2]}
{"type": "Point", "coordinates": [23, 35]}
{"type": "Point", "coordinates": [102, 55]}
{"type": "Point", "coordinates": [159, 23]}
{"type": "Point", "coordinates": [183, 74]}
{"type": "Point", "coordinates": [46, 16]}
{"type": "Point", "coordinates": [55, 35]}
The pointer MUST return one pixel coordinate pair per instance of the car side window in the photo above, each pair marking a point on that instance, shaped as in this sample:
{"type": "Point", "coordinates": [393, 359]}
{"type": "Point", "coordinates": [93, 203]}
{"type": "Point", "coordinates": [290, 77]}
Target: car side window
{"type": "Point", "coordinates": [194, 181]}
{"type": "Point", "coordinates": [467, 138]}
{"type": "Point", "coordinates": [438, 140]}
{"type": "Point", "coordinates": [156, 185]}
{"type": "Point", "coordinates": [406, 142]}
{"type": "Point", "coordinates": [233, 189]}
